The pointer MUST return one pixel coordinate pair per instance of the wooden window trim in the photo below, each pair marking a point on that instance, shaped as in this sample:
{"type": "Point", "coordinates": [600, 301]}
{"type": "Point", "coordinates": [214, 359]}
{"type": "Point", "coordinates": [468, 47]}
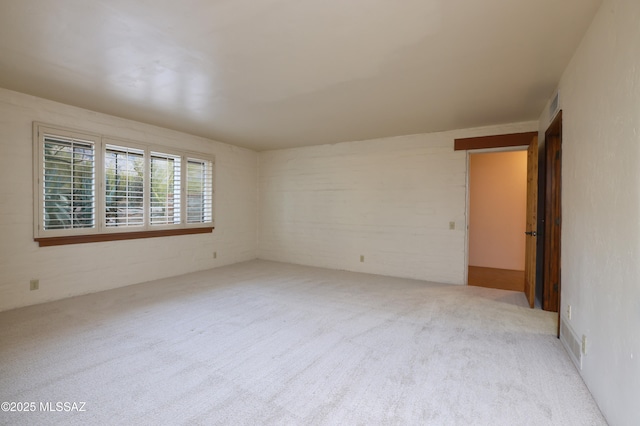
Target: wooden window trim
{"type": "Point", "coordinates": [496, 141]}
{"type": "Point", "coordinates": [119, 236]}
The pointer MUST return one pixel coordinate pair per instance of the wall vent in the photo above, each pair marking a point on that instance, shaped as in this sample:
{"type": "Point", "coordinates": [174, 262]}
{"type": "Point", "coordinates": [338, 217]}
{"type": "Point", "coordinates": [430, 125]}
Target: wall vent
{"type": "Point", "coordinates": [553, 107]}
{"type": "Point", "coordinates": [571, 344]}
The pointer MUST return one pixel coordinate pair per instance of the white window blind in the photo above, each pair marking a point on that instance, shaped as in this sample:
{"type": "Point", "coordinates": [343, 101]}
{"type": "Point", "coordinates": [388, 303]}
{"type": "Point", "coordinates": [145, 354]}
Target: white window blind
{"type": "Point", "coordinates": [124, 186]}
{"type": "Point", "coordinates": [199, 190]}
{"type": "Point", "coordinates": [164, 203]}
{"type": "Point", "coordinates": [86, 184]}
{"type": "Point", "coordinates": [68, 183]}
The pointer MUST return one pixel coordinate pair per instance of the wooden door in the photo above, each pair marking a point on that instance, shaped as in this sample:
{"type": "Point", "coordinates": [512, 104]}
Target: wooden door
{"type": "Point", "coordinates": [532, 222]}
{"type": "Point", "coordinates": [553, 216]}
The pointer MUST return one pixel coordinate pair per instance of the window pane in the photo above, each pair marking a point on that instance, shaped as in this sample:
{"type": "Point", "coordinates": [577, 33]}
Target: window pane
{"type": "Point", "coordinates": [199, 191]}
{"type": "Point", "coordinates": [124, 185]}
{"type": "Point", "coordinates": [164, 203]}
{"type": "Point", "coordinates": [68, 183]}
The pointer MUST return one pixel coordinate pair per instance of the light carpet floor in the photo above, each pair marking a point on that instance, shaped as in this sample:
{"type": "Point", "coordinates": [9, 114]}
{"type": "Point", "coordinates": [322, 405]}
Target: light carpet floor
{"type": "Point", "coordinates": [270, 343]}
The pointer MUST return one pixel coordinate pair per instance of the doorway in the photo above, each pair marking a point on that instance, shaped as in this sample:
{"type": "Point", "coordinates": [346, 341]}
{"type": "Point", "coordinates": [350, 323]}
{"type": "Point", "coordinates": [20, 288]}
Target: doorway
{"type": "Point", "coordinates": [514, 141]}
{"type": "Point", "coordinates": [497, 219]}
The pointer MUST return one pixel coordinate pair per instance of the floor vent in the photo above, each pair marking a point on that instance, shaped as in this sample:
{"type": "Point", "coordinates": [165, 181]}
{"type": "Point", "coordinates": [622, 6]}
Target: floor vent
{"type": "Point", "coordinates": [571, 343]}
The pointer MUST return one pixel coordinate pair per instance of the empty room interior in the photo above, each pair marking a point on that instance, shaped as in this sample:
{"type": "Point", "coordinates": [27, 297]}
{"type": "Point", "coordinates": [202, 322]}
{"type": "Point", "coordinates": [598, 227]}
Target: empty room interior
{"type": "Point", "coordinates": [338, 212]}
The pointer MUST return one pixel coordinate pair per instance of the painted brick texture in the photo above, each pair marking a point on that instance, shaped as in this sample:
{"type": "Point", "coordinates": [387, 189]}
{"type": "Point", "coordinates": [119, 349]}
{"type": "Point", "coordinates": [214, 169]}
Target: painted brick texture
{"type": "Point", "coordinates": [389, 200]}
{"type": "Point", "coordinates": [600, 278]}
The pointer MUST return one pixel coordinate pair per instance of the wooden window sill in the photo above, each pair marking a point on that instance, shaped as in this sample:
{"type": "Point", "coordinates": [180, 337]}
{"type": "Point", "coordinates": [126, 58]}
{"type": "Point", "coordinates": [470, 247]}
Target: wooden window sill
{"type": "Point", "coordinates": [118, 236]}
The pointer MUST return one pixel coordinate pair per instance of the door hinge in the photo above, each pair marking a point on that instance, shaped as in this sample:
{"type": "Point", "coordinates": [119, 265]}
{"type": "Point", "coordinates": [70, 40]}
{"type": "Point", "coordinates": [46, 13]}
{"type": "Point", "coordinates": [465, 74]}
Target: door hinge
{"type": "Point", "coordinates": [555, 287]}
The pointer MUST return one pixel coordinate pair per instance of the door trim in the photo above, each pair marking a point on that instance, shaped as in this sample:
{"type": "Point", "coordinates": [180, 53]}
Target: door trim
{"type": "Point", "coordinates": [552, 277]}
{"type": "Point", "coordinates": [494, 141]}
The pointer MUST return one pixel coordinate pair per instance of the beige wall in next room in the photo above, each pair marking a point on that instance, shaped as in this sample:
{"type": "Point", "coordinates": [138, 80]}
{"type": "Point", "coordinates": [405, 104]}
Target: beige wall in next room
{"type": "Point", "coordinates": [497, 209]}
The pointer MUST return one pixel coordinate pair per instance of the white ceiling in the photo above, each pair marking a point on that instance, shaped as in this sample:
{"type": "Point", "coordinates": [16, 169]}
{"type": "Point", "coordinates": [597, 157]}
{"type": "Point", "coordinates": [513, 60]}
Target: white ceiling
{"type": "Point", "coordinates": [269, 74]}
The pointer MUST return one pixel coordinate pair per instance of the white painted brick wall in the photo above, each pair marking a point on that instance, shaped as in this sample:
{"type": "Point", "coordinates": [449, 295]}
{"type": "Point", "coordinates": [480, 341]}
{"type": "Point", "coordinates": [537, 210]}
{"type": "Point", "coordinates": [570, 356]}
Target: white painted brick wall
{"type": "Point", "coordinates": [390, 200]}
{"type": "Point", "coordinates": [600, 100]}
{"type": "Point", "coordinates": [85, 268]}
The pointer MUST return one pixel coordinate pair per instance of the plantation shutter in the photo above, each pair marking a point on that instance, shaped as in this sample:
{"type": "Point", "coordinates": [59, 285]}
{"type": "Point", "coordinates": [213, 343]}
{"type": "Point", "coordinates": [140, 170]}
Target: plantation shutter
{"type": "Point", "coordinates": [124, 186]}
{"type": "Point", "coordinates": [164, 203]}
{"type": "Point", "coordinates": [199, 191]}
{"type": "Point", "coordinates": [68, 183]}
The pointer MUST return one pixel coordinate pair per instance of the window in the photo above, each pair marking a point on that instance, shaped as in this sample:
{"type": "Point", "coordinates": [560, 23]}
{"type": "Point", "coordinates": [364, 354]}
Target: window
{"type": "Point", "coordinates": [89, 188]}
{"type": "Point", "coordinates": [199, 183]}
{"type": "Point", "coordinates": [68, 183]}
{"type": "Point", "coordinates": [165, 189]}
{"type": "Point", "coordinates": [124, 186]}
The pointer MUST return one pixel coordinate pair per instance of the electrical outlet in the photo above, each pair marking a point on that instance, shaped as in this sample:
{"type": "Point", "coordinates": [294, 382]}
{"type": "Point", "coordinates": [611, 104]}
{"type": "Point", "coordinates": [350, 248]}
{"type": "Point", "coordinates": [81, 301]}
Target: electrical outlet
{"type": "Point", "coordinates": [568, 311]}
{"type": "Point", "coordinates": [452, 225]}
{"type": "Point", "coordinates": [34, 285]}
{"type": "Point", "coordinates": [361, 258]}
{"type": "Point", "coordinates": [215, 254]}
{"type": "Point", "coordinates": [584, 344]}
